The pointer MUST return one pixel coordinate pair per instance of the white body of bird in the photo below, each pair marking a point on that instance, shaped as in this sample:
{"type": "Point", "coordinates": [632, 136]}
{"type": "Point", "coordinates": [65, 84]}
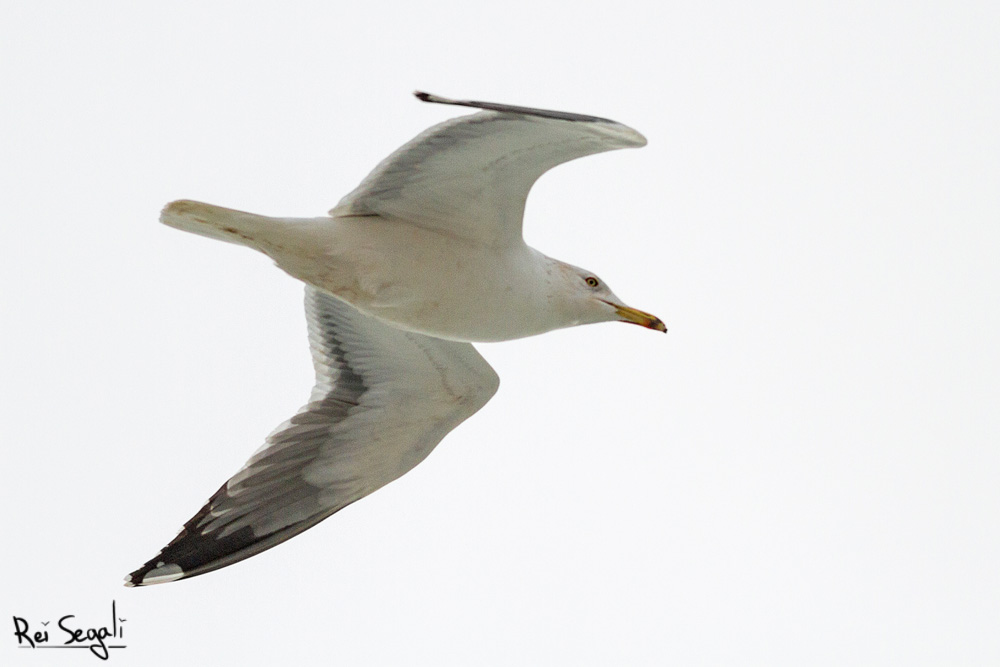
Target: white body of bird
{"type": "Point", "coordinates": [380, 266]}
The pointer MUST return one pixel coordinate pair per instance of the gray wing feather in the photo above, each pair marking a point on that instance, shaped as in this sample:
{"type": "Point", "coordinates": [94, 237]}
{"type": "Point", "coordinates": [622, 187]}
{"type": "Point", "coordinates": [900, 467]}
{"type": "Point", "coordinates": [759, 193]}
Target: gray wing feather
{"type": "Point", "coordinates": [384, 398]}
{"type": "Point", "coordinates": [470, 176]}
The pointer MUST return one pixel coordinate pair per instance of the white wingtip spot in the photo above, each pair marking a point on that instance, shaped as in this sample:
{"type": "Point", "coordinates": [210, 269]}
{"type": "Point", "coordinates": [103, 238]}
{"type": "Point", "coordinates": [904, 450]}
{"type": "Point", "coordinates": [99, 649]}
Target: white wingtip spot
{"type": "Point", "coordinates": [163, 574]}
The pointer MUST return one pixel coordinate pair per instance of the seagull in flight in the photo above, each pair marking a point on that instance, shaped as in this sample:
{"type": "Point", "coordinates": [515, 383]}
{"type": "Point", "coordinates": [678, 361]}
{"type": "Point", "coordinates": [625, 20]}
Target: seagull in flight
{"type": "Point", "coordinates": [423, 258]}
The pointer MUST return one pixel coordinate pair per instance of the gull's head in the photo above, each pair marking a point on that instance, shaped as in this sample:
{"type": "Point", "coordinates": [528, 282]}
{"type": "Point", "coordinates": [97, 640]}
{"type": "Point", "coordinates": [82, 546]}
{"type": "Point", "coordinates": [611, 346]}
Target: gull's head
{"type": "Point", "coordinates": [586, 299]}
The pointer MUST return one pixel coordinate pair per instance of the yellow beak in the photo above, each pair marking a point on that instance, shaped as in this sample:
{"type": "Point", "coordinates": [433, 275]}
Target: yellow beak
{"type": "Point", "coordinates": [638, 317]}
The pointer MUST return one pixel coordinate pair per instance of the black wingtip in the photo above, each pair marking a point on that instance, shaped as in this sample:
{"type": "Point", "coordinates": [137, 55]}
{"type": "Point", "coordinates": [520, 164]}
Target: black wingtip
{"type": "Point", "coordinates": [524, 111]}
{"type": "Point", "coordinates": [437, 99]}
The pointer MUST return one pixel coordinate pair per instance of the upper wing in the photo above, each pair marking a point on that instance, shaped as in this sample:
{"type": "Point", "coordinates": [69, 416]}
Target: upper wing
{"type": "Point", "coordinates": [471, 175]}
{"type": "Point", "coordinates": [384, 398]}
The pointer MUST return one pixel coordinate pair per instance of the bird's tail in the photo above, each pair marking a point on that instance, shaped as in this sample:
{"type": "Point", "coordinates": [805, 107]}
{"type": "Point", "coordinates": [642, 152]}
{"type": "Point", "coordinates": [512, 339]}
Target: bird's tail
{"type": "Point", "coordinates": [216, 222]}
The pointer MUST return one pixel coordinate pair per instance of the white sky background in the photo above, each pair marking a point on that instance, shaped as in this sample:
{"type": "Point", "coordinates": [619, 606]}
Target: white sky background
{"type": "Point", "coordinates": [804, 471]}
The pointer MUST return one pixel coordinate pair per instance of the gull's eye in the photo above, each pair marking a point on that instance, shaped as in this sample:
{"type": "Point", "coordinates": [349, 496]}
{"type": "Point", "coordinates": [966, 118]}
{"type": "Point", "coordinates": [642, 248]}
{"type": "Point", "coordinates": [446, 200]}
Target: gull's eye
{"type": "Point", "coordinates": [592, 281]}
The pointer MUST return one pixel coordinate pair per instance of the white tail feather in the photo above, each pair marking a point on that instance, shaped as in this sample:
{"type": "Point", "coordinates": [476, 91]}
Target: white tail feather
{"type": "Point", "coordinates": [216, 222]}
